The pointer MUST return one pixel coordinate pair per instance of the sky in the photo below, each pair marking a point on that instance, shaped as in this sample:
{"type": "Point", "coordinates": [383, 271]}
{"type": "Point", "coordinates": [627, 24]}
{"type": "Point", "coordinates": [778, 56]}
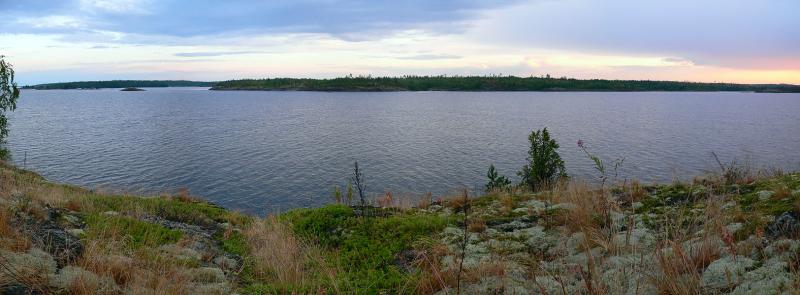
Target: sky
{"type": "Point", "coordinates": [683, 40]}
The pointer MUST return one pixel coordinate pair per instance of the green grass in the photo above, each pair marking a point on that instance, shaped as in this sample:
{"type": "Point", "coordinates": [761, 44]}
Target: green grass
{"type": "Point", "coordinates": [365, 248]}
{"type": "Point", "coordinates": [189, 211]}
{"type": "Point", "coordinates": [134, 233]}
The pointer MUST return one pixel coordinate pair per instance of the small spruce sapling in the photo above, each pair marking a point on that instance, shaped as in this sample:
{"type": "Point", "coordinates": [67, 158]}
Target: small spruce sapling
{"type": "Point", "coordinates": [496, 181]}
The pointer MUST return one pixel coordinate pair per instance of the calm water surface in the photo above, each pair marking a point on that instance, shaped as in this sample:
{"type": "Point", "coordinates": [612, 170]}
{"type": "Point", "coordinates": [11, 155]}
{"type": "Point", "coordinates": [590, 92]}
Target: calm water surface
{"type": "Point", "coordinates": [264, 152]}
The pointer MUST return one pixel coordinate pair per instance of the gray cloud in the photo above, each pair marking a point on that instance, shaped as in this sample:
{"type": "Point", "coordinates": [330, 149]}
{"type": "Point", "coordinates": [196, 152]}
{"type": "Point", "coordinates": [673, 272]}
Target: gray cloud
{"type": "Point", "coordinates": [350, 20]}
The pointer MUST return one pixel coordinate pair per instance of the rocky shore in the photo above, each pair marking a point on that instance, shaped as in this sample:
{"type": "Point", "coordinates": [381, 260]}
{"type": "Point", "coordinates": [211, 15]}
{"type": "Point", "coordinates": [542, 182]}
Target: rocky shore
{"type": "Point", "coordinates": [713, 235]}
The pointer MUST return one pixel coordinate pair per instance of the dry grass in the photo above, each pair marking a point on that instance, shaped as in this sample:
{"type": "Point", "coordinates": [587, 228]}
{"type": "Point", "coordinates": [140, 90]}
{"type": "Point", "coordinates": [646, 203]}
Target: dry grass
{"type": "Point", "coordinates": [476, 225]}
{"type": "Point", "coordinates": [507, 203]}
{"type": "Point", "coordinates": [282, 258]}
{"type": "Point", "coordinates": [781, 193]}
{"type": "Point", "coordinates": [434, 277]}
{"type": "Point", "coordinates": [590, 207]}
{"type": "Point", "coordinates": [678, 270]}
{"type": "Point", "coordinates": [106, 259]}
{"type": "Point", "coordinates": [10, 238]}
{"type": "Point", "coordinates": [425, 201]}
{"type": "Point", "coordinates": [140, 271]}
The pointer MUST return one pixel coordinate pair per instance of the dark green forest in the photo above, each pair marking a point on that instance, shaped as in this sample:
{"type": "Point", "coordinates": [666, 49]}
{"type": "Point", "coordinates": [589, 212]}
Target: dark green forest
{"type": "Point", "coordinates": [487, 83]}
{"type": "Point", "coordinates": [432, 83]}
{"type": "Point", "coordinates": [121, 84]}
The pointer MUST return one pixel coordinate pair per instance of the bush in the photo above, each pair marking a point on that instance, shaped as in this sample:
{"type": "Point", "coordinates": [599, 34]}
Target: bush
{"type": "Point", "coordinates": [544, 164]}
{"type": "Point", "coordinates": [496, 181]}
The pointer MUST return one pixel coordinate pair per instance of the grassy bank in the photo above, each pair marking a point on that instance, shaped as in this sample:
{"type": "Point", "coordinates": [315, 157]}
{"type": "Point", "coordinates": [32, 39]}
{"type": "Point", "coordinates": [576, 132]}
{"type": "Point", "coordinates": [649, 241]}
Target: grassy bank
{"type": "Point", "coordinates": [735, 234]}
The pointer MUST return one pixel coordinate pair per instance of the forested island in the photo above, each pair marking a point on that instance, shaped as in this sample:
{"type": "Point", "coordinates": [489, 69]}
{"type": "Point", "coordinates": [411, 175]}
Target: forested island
{"type": "Point", "coordinates": [120, 84]}
{"type": "Point", "coordinates": [431, 83]}
{"type": "Point", "coordinates": [487, 83]}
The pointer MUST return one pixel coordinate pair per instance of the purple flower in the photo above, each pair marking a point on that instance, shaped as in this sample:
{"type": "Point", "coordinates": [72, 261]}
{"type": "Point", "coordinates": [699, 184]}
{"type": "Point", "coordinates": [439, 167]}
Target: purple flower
{"type": "Point", "coordinates": [580, 143]}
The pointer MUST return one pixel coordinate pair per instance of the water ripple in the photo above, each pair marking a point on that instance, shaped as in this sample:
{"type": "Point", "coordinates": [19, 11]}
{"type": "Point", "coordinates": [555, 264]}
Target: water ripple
{"type": "Point", "coordinates": [263, 152]}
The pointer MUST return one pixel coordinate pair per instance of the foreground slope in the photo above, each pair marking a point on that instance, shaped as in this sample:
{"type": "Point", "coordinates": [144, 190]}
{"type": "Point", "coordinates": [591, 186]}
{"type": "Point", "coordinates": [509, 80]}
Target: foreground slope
{"type": "Point", "coordinates": [736, 234]}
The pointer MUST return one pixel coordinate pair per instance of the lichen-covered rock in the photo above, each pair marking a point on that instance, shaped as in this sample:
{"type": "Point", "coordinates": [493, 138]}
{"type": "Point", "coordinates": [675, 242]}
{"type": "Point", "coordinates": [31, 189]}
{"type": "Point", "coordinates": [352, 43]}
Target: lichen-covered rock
{"type": "Point", "coordinates": [207, 275]}
{"type": "Point", "coordinates": [181, 253]}
{"type": "Point", "coordinates": [624, 275]}
{"type": "Point", "coordinates": [785, 225]}
{"type": "Point", "coordinates": [48, 235]}
{"type": "Point", "coordinates": [725, 273]}
{"type": "Point", "coordinates": [31, 264]}
{"type": "Point", "coordinates": [639, 237]}
{"type": "Point", "coordinates": [734, 227]}
{"type": "Point", "coordinates": [513, 225]}
{"type": "Point", "coordinates": [534, 237]}
{"type": "Point", "coordinates": [15, 289]}
{"type": "Point", "coordinates": [768, 279]}
{"type": "Point", "coordinates": [75, 277]}
{"type": "Point", "coordinates": [474, 255]}
{"type": "Point", "coordinates": [535, 205]}
{"type": "Point", "coordinates": [582, 259]}
{"type": "Point", "coordinates": [765, 195]}
{"type": "Point", "coordinates": [228, 262]}
{"type": "Point", "coordinates": [575, 242]}
{"type": "Point", "coordinates": [565, 206]}
{"type": "Point", "coordinates": [637, 205]}
{"type": "Point", "coordinates": [211, 289]}
{"type": "Point", "coordinates": [563, 285]}
{"type": "Point", "coordinates": [783, 250]}
{"type": "Point", "coordinates": [488, 285]}
{"type": "Point", "coordinates": [204, 232]}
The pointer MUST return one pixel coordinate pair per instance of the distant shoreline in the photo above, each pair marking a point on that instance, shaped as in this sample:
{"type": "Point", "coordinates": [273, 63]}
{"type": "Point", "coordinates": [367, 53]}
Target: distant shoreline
{"type": "Point", "coordinates": [478, 91]}
{"type": "Point", "coordinates": [488, 84]}
{"type": "Point", "coordinates": [435, 83]}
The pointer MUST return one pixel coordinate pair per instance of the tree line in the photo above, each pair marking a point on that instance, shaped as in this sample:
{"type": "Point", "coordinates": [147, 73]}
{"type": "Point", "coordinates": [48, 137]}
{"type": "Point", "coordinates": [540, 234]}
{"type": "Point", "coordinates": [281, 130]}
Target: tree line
{"type": "Point", "coordinates": [487, 83]}
{"type": "Point", "coordinates": [120, 84]}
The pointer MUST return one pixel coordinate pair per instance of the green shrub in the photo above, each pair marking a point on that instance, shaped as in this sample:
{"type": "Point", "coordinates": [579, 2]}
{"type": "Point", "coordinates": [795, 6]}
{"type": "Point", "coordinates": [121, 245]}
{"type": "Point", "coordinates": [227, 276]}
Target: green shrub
{"type": "Point", "coordinates": [544, 163]}
{"type": "Point", "coordinates": [496, 181]}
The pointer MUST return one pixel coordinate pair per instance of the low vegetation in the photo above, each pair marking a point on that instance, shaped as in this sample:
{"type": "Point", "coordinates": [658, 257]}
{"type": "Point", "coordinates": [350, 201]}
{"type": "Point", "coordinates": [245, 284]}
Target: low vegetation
{"type": "Point", "coordinates": [715, 234]}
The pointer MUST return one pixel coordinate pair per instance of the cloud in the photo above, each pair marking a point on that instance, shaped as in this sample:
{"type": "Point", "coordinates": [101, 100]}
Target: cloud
{"type": "Point", "coordinates": [725, 33]}
{"type": "Point", "coordinates": [213, 53]}
{"type": "Point", "coordinates": [116, 6]}
{"type": "Point", "coordinates": [350, 20]}
{"type": "Point", "coordinates": [677, 61]}
{"type": "Point", "coordinates": [50, 22]}
{"type": "Point", "coordinates": [429, 56]}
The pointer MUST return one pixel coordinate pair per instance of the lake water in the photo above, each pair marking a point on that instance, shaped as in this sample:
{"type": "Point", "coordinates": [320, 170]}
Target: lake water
{"type": "Point", "coordinates": [264, 152]}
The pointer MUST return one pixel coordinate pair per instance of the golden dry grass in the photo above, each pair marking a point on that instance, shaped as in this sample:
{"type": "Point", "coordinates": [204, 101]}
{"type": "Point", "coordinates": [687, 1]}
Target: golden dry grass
{"type": "Point", "coordinates": [279, 256]}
